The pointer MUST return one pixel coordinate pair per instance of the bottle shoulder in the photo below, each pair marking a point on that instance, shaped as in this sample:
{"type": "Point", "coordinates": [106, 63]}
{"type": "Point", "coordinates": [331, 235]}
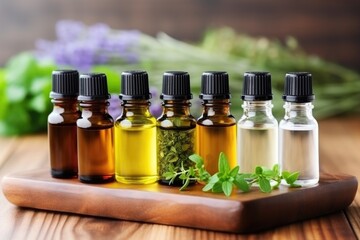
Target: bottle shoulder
{"type": "Point", "coordinates": [135, 120]}
{"type": "Point", "coordinates": [299, 123]}
{"type": "Point", "coordinates": [226, 120]}
{"type": "Point", "coordinates": [258, 121]}
{"type": "Point", "coordinates": [176, 121]}
{"type": "Point", "coordinates": [63, 116]}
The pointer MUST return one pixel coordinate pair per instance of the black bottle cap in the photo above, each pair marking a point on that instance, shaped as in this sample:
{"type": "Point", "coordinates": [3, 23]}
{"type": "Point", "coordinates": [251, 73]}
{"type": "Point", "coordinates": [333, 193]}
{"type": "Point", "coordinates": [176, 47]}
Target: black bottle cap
{"type": "Point", "coordinates": [215, 85]}
{"type": "Point", "coordinates": [93, 86]}
{"type": "Point", "coordinates": [257, 86]}
{"type": "Point", "coordinates": [176, 86]}
{"type": "Point", "coordinates": [134, 85]}
{"type": "Point", "coordinates": [298, 87]}
{"type": "Point", "coordinates": [65, 83]}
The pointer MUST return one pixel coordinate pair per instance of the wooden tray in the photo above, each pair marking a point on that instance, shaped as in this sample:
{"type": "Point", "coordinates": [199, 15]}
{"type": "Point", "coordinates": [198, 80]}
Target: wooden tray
{"type": "Point", "coordinates": [241, 212]}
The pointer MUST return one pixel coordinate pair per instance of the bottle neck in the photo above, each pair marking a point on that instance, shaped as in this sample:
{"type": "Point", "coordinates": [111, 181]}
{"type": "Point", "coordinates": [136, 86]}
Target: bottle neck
{"type": "Point", "coordinates": [254, 108]}
{"type": "Point", "coordinates": [176, 107]}
{"type": "Point", "coordinates": [95, 106]}
{"type": "Point", "coordinates": [293, 110]}
{"type": "Point", "coordinates": [216, 107]}
{"type": "Point", "coordinates": [68, 104]}
{"type": "Point", "coordinates": [136, 107]}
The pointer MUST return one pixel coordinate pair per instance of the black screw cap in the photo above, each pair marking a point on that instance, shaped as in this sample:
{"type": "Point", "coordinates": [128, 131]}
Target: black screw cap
{"type": "Point", "coordinates": [93, 86]}
{"type": "Point", "coordinates": [176, 86]}
{"type": "Point", "coordinates": [65, 83]}
{"type": "Point", "coordinates": [134, 85]}
{"type": "Point", "coordinates": [215, 85]}
{"type": "Point", "coordinates": [257, 86]}
{"type": "Point", "coordinates": [298, 87]}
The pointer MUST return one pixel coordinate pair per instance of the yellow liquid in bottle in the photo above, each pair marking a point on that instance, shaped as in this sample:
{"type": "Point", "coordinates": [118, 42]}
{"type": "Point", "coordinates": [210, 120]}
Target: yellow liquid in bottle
{"type": "Point", "coordinates": [215, 139]}
{"type": "Point", "coordinates": [135, 154]}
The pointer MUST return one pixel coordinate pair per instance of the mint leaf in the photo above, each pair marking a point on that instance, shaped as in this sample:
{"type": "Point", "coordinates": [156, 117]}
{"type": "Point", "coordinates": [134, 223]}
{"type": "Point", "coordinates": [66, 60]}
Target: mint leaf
{"type": "Point", "coordinates": [223, 163]}
{"type": "Point", "coordinates": [227, 188]}
{"type": "Point", "coordinates": [291, 178]}
{"type": "Point", "coordinates": [264, 185]}
{"type": "Point", "coordinates": [234, 172]}
{"type": "Point", "coordinates": [199, 162]}
{"type": "Point", "coordinates": [217, 188]}
{"type": "Point", "coordinates": [258, 170]}
{"type": "Point", "coordinates": [241, 183]}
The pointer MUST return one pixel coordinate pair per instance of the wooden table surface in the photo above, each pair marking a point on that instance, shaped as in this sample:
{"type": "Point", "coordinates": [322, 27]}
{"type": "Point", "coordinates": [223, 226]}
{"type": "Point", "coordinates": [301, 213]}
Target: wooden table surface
{"type": "Point", "coordinates": [339, 153]}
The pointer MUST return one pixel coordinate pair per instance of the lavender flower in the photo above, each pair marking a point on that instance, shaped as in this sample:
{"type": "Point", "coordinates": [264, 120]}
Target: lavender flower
{"type": "Point", "coordinates": [115, 107]}
{"type": "Point", "coordinates": [81, 47]}
{"type": "Point", "coordinates": [156, 106]}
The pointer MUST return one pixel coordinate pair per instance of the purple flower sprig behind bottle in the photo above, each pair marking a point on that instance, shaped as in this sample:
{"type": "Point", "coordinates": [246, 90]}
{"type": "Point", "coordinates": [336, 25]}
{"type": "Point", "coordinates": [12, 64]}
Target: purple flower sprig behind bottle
{"type": "Point", "coordinates": [115, 107]}
{"type": "Point", "coordinates": [82, 47]}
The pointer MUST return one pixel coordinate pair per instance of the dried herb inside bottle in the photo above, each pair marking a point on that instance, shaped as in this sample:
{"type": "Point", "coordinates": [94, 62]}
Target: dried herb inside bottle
{"type": "Point", "coordinates": [175, 147]}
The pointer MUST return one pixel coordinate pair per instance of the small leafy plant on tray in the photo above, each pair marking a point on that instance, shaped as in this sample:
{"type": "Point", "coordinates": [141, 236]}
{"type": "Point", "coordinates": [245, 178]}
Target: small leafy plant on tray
{"type": "Point", "coordinates": [226, 178]}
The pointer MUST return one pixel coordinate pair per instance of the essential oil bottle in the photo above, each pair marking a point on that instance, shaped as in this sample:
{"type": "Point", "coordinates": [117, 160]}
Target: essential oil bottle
{"type": "Point", "coordinates": [95, 131]}
{"type": "Point", "coordinates": [298, 131]}
{"type": "Point", "coordinates": [135, 132]}
{"type": "Point", "coordinates": [62, 124]}
{"type": "Point", "coordinates": [216, 127]}
{"type": "Point", "coordinates": [257, 131]}
{"type": "Point", "coordinates": [176, 126]}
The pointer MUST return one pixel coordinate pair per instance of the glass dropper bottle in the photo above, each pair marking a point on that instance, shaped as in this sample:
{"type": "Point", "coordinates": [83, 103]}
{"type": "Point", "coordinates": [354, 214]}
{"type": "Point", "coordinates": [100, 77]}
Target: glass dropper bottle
{"type": "Point", "coordinates": [298, 130]}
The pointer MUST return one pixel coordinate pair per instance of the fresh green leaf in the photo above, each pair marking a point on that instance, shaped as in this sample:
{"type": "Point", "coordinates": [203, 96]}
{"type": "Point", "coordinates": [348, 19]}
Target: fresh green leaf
{"type": "Point", "coordinates": [258, 170]}
{"type": "Point", "coordinates": [264, 185]}
{"type": "Point", "coordinates": [217, 188]}
{"type": "Point", "coordinates": [285, 174]}
{"type": "Point", "coordinates": [227, 188]}
{"type": "Point", "coordinates": [197, 160]}
{"type": "Point", "coordinates": [241, 183]}
{"type": "Point", "coordinates": [234, 172]}
{"type": "Point", "coordinates": [223, 163]}
{"type": "Point", "coordinates": [291, 178]}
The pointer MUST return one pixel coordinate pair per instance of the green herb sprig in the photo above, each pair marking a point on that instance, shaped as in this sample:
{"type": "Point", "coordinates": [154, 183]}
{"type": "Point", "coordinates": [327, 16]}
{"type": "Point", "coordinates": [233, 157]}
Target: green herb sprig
{"type": "Point", "coordinates": [226, 178]}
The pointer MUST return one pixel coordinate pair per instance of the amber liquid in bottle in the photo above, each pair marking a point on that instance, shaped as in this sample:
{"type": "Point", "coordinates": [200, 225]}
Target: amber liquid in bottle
{"type": "Point", "coordinates": [63, 150]}
{"type": "Point", "coordinates": [96, 155]}
{"type": "Point", "coordinates": [213, 140]}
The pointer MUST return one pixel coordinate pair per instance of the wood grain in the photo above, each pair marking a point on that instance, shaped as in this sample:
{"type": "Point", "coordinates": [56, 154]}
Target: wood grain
{"type": "Point", "coordinates": [339, 153]}
{"type": "Point", "coordinates": [157, 203]}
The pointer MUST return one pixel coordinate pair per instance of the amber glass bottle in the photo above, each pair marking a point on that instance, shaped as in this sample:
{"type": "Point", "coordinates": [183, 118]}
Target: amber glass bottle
{"type": "Point", "coordinates": [135, 132]}
{"type": "Point", "coordinates": [176, 126]}
{"type": "Point", "coordinates": [216, 127]}
{"type": "Point", "coordinates": [95, 131]}
{"type": "Point", "coordinates": [62, 124]}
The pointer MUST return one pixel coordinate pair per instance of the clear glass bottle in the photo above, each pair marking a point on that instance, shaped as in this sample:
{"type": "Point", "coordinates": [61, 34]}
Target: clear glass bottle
{"type": "Point", "coordinates": [298, 131]}
{"type": "Point", "coordinates": [62, 124]}
{"type": "Point", "coordinates": [95, 131]}
{"type": "Point", "coordinates": [216, 127]}
{"type": "Point", "coordinates": [257, 132]}
{"type": "Point", "coordinates": [176, 126]}
{"type": "Point", "coordinates": [135, 132]}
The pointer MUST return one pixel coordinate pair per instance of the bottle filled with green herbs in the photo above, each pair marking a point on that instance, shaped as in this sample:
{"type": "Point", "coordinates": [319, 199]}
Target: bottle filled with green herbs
{"type": "Point", "coordinates": [216, 127]}
{"type": "Point", "coordinates": [175, 127]}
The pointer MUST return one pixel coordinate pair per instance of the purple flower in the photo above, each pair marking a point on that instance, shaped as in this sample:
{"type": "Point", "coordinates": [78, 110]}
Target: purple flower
{"type": "Point", "coordinates": [68, 30]}
{"type": "Point", "coordinates": [82, 46]}
{"type": "Point", "coordinates": [115, 107]}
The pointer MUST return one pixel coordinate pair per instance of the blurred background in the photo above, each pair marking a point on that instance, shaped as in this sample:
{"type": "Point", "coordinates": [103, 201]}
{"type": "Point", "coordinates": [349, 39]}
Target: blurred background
{"type": "Point", "coordinates": [320, 36]}
{"type": "Point", "coordinates": [327, 28]}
